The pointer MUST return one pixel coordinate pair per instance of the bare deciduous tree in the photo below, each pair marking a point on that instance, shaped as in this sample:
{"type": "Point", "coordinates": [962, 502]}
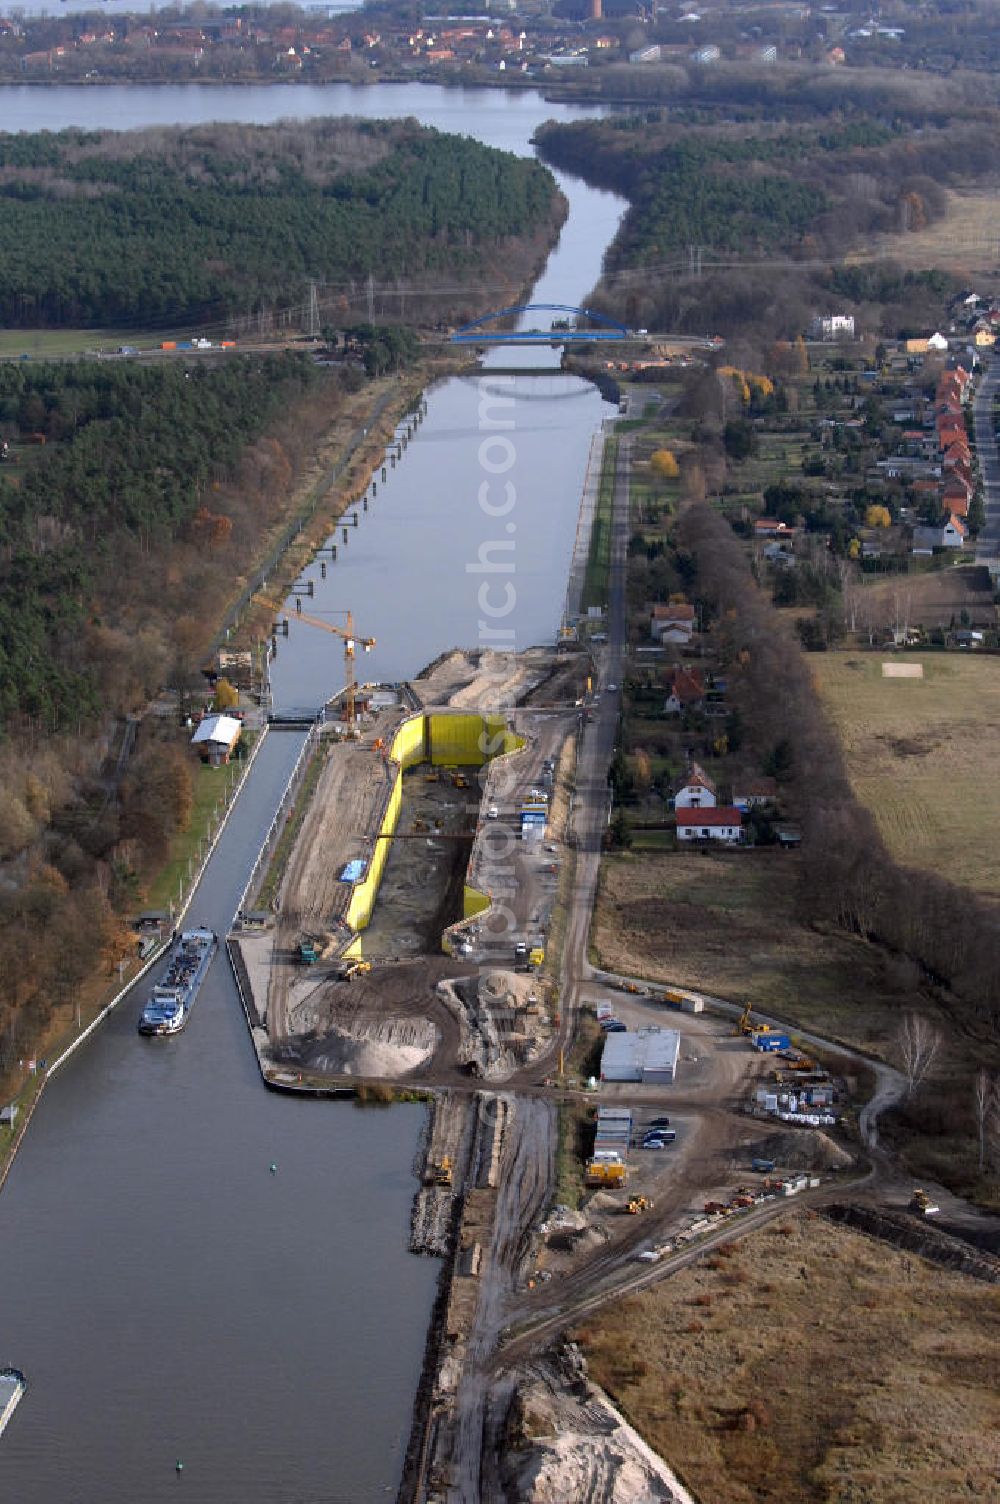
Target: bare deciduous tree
{"type": "Point", "coordinates": [986, 1106]}
{"type": "Point", "coordinates": [917, 1041]}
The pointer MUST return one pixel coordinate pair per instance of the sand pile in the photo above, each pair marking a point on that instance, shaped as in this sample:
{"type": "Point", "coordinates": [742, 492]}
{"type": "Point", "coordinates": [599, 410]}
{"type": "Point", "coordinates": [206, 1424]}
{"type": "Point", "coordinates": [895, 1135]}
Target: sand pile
{"type": "Point", "coordinates": [385, 1047]}
{"type": "Point", "coordinates": [582, 1466]}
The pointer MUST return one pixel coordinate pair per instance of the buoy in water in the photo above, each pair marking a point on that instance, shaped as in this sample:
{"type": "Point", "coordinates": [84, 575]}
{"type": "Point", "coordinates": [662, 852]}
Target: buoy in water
{"type": "Point", "coordinates": [274, 1168]}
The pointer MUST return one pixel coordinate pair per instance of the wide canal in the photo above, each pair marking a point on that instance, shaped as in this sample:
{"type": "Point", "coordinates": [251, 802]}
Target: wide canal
{"type": "Point", "coordinates": [169, 1297]}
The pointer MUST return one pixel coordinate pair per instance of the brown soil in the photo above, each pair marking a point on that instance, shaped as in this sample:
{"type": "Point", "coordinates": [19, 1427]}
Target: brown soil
{"type": "Point", "coordinates": [812, 1364]}
{"type": "Point", "coordinates": [727, 925]}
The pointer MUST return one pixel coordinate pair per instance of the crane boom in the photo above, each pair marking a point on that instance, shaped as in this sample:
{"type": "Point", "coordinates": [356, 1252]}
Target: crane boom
{"type": "Point", "coordinates": [347, 636]}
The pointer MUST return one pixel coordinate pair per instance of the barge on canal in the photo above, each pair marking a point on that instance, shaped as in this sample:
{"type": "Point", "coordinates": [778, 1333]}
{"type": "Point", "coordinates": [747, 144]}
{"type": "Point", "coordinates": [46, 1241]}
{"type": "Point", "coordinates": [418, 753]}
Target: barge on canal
{"type": "Point", "coordinates": [173, 997]}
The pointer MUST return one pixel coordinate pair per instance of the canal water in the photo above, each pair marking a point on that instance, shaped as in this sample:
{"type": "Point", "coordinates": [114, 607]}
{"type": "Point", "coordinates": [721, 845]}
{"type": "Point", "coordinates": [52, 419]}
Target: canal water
{"type": "Point", "coordinates": [169, 1297]}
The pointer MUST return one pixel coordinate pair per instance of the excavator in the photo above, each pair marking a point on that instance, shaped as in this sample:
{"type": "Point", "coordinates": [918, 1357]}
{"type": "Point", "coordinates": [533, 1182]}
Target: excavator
{"type": "Point", "coordinates": [745, 1024]}
{"type": "Point", "coordinates": [442, 1173]}
{"type": "Point", "coordinates": [354, 969]}
{"type": "Point", "coordinates": [638, 1204]}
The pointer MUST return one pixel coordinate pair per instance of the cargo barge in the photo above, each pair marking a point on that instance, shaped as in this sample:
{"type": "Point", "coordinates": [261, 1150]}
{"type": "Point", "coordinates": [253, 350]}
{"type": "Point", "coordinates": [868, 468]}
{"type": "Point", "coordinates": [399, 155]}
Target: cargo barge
{"type": "Point", "coordinates": [12, 1387]}
{"type": "Point", "coordinates": [173, 997]}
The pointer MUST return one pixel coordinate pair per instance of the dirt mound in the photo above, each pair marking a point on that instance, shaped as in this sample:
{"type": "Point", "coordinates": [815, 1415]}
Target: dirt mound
{"type": "Point", "coordinates": [802, 1149]}
{"type": "Point", "coordinates": [387, 1047]}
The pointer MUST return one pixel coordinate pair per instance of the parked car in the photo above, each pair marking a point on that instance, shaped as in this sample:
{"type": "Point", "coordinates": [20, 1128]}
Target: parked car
{"type": "Point", "coordinates": [653, 1143]}
{"type": "Point", "coordinates": [659, 1123]}
{"type": "Point", "coordinates": [492, 813]}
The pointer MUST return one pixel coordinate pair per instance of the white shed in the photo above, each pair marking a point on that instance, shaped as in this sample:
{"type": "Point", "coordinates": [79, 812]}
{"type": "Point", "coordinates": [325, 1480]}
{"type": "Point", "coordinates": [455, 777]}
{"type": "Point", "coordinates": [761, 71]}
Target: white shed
{"type": "Point", "coordinates": [216, 737]}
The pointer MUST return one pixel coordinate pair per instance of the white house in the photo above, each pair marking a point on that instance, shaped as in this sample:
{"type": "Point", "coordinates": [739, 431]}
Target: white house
{"type": "Point", "coordinates": [833, 326]}
{"type": "Point", "coordinates": [722, 823]}
{"type": "Point", "coordinates": [696, 792]}
{"type": "Point", "coordinates": [672, 623]}
{"type": "Point", "coordinates": [216, 737]}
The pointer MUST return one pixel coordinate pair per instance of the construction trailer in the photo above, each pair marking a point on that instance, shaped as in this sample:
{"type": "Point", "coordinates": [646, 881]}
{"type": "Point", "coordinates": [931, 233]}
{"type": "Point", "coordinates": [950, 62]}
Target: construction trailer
{"type": "Point", "coordinates": [649, 1057]}
{"type": "Point", "coordinates": [769, 1042]}
{"type": "Point", "coordinates": [606, 1176]}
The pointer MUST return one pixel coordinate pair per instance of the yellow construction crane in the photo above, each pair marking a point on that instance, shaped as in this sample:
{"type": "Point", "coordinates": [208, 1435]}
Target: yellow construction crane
{"type": "Point", "coordinates": [347, 636]}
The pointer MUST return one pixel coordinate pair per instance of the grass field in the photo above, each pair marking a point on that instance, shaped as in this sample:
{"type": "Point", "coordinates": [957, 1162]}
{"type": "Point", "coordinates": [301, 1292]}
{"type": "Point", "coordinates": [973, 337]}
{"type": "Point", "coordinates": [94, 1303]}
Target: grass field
{"type": "Point", "coordinates": [809, 1364]}
{"type": "Point", "coordinates": [728, 925]}
{"type": "Point", "coordinates": [963, 240]}
{"type": "Point", "coordinates": [934, 599]}
{"type": "Point", "coordinates": [924, 756]}
{"type": "Point", "coordinates": [39, 343]}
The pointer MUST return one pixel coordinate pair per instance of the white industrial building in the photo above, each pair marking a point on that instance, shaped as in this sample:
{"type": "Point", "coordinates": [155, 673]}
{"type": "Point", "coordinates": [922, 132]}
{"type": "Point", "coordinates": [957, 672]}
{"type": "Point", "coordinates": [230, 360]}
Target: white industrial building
{"type": "Point", "coordinates": [649, 1056]}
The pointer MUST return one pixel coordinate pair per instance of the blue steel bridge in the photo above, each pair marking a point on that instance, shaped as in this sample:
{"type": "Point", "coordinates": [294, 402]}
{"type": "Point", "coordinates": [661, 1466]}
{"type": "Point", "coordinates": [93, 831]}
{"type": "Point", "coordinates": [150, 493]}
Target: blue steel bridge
{"type": "Point", "coordinates": [560, 332]}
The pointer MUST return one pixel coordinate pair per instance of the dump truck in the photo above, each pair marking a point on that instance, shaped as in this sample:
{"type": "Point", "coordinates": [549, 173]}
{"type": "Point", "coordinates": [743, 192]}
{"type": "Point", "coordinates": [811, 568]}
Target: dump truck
{"type": "Point", "coordinates": [536, 956]}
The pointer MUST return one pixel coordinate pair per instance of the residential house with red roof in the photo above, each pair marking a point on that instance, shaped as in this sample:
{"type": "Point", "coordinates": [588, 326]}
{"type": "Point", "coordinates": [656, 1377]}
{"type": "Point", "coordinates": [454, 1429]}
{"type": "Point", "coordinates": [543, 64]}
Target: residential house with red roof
{"type": "Point", "coordinates": [697, 791]}
{"type": "Point", "coordinates": [686, 691]}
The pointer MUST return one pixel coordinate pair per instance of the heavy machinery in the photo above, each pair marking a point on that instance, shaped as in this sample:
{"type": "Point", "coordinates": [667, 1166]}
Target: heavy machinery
{"type": "Point", "coordinates": [637, 1204]}
{"type": "Point", "coordinates": [442, 1171]}
{"type": "Point", "coordinates": [745, 1024]}
{"type": "Point", "coordinates": [354, 969]}
{"type": "Point", "coordinates": [347, 636]}
{"type": "Point", "coordinates": [308, 955]}
{"type": "Point", "coordinates": [922, 1205]}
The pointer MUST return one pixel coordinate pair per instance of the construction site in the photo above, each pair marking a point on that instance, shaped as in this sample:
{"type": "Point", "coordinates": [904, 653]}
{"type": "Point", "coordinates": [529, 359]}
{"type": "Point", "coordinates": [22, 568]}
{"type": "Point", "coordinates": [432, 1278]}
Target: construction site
{"type": "Point", "coordinates": [589, 1135]}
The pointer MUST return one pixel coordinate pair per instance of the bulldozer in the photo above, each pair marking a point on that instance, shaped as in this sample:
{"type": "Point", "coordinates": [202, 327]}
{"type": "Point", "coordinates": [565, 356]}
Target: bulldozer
{"type": "Point", "coordinates": [638, 1204]}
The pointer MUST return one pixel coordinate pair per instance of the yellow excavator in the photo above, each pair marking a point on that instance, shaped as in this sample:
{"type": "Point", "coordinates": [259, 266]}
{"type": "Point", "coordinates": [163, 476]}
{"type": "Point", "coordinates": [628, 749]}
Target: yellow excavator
{"type": "Point", "coordinates": [638, 1204]}
{"type": "Point", "coordinates": [354, 969]}
{"type": "Point", "coordinates": [746, 1025]}
{"type": "Point", "coordinates": [442, 1173]}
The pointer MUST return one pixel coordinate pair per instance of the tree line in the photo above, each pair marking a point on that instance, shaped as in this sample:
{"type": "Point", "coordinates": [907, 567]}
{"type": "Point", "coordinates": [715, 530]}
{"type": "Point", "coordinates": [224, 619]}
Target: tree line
{"type": "Point", "coordinates": [122, 536]}
{"type": "Point", "coordinates": [153, 228]}
{"type": "Point", "coordinates": [134, 453]}
{"type": "Point", "coordinates": [848, 877]}
{"type": "Point", "coordinates": [803, 194]}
